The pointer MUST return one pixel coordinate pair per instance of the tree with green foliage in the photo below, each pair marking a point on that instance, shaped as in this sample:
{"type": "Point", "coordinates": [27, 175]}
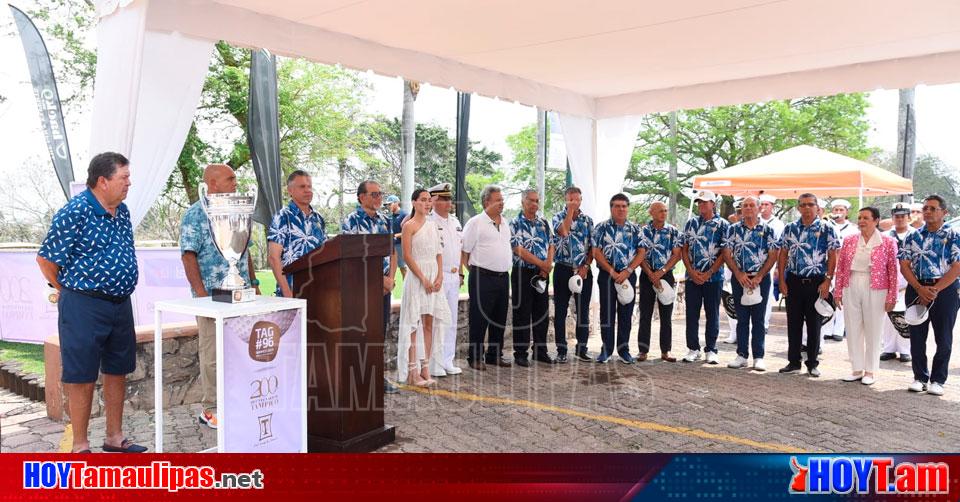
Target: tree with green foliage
{"type": "Point", "coordinates": [435, 156]}
{"type": "Point", "coordinates": [711, 139]}
{"type": "Point", "coordinates": [523, 148]}
{"type": "Point", "coordinates": [931, 175]}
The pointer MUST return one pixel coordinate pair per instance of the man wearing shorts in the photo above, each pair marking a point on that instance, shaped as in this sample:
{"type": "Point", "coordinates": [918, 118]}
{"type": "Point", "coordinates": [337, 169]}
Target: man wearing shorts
{"type": "Point", "coordinates": [89, 257]}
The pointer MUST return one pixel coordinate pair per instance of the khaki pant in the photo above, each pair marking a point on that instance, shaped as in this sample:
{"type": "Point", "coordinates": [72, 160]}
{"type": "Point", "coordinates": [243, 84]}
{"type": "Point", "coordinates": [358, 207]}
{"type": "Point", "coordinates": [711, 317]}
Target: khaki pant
{"type": "Point", "coordinates": [207, 348]}
{"type": "Point", "coordinates": [864, 322]}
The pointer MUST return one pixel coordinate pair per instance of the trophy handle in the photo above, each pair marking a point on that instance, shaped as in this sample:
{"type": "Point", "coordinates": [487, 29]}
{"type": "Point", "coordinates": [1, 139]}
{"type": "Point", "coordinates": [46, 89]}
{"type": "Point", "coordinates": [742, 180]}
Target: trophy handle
{"type": "Point", "coordinates": [253, 192]}
{"type": "Point", "coordinates": [202, 196]}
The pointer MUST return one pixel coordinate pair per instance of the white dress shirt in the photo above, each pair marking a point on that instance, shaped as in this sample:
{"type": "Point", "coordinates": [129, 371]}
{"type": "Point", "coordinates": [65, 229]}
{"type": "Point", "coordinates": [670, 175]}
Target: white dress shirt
{"type": "Point", "coordinates": [452, 234]}
{"type": "Point", "coordinates": [489, 246]}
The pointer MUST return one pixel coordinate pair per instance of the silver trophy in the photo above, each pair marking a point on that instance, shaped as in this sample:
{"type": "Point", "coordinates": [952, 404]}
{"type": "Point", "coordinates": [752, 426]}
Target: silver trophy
{"type": "Point", "coordinates": [231, 217]}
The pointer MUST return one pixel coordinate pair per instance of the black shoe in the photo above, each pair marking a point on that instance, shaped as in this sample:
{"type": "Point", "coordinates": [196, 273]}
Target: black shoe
{"type": "Point", "coordinates": [814, 372]}
{"type": "Point", "coordinates": [886, 356]}
{"type": "Point", "coordinates": [803, 348]}
{"type": "Point", "coordinates": [583, 355]}
{"type": "Point", "coordinates": [905, 358]}
{"type": "Point", "coordinates": [522, 362]}
{"type": "Point", "coordinates": [838, 338]}
{"type": "Point", "coordinates": [561, 359]}
{"type": "Point", "coordinates": [790, 368]}
{"type": "Point", "coordinates": [544, 358]}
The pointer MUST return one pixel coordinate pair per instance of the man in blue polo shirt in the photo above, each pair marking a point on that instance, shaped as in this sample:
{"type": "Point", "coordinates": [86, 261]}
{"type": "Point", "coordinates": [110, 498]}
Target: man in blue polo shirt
{"type": "Point", "coordinates": [703, 238]}
{"type": "Point", "coordinates": [205, 268]}
{"type": "Point", "coordinates": [366, 220]}
{"type": "Point", "coordinates": [930, 262]}
{"type": "Point", "coordinates": [808, 258]}
{"type": "Point", "coordinates": [295, 230]}
{"type": "Point", "coordinates": [89, 256]}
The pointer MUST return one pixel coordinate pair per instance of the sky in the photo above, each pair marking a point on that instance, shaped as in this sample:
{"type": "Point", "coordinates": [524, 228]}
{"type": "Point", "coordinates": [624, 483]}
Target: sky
{"type": "Point", "coordinates": [937, 109]}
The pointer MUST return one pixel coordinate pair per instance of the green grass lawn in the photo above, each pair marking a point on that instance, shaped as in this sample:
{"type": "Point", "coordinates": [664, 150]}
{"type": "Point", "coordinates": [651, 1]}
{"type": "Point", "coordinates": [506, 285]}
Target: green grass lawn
{"type": "Point", "coordinates": [268, 284]}
{"type": "Point", "coordinates": [29, 354]}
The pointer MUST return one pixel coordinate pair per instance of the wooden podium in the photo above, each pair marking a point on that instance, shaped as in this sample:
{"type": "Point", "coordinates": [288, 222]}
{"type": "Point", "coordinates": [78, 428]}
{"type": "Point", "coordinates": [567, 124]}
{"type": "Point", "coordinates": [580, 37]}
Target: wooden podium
{"type": "Point", "coordinates": [342, 282]}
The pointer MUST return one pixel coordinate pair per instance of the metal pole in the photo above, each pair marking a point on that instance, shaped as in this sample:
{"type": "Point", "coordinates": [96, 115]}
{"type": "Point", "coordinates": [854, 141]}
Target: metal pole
{"type": "Point", "coordinates": [541, 154]}
{"type": "Point", "coordinates": [673, 168]}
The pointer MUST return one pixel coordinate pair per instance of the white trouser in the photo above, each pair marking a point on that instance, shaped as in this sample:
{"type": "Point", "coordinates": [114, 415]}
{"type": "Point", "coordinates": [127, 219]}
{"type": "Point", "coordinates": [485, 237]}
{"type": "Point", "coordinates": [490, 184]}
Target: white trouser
{"type": "Point", "coordinates": [864, 322]}
{"type": "Point", "coordinates": [766, 317]}
{"type": "Point", "coordinates": [445, 343]}
{"type": "Point", "coordinates": [891, 341]}
{"type": "Point", "coordinates": [733, 327]}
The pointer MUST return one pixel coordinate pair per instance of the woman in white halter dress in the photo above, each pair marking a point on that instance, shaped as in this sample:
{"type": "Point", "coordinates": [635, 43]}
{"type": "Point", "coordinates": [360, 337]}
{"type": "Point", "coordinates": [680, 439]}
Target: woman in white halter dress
{"type": "Point", "coordinates": [424, 307]}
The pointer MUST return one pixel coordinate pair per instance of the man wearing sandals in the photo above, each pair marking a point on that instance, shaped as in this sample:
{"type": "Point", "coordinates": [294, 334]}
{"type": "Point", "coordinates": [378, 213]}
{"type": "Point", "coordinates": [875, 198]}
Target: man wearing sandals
{"type": "Point", "coordinates": [89, 257]}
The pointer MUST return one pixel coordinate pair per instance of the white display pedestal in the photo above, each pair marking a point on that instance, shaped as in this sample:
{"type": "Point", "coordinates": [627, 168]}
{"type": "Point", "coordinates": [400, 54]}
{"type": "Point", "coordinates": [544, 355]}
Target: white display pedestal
{"type": "Point", "coordinates": [205, 307]}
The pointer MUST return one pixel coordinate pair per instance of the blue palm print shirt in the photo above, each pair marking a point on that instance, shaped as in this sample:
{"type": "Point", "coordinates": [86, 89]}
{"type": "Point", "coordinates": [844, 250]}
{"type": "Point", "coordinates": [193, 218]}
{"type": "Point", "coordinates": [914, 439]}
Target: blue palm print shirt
{"type": "Point", "coordinates": [705, 238]}
{"type": "Point", "coordinates": [618, 243]}
{"type": "Point", "coordinates": [93, 248]}
{"type": "Point", "coordinates": [751, 246]}
{"type": "Point", "coordinates": [808, 246]}
{"type": "Point", "coordinates": [660, 244]}
{"type": "Point", "coordinates": [195, 236]}
{"type": "Point", "coordinates": [296, 233]}
{"type": "Point", "coordinates": [931, 253]}
{"type": "Point", "coordinates": [359, 222]}
{"type": "Point", "coordinates": [532, 235]}
{"type": "Point", "coordinates": [573, 249]}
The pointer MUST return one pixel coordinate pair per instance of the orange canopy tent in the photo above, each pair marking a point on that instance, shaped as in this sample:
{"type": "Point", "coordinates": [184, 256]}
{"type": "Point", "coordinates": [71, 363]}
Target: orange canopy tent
{"type": "Point", "coordinates": [801, 169]}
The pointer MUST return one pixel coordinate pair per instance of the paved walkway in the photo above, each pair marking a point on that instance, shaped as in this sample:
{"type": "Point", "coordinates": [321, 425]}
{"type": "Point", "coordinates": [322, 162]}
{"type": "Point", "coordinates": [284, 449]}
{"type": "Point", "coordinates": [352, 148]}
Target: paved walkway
{"type": "Point", "coordinates": [586, 407]}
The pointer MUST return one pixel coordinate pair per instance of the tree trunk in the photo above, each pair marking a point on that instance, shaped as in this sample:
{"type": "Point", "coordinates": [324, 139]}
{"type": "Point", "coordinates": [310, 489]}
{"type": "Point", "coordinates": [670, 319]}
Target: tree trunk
{"type": "Point", "coordinates": [906, 137]}
{"type": "Point", "coordinates": [408, 130]}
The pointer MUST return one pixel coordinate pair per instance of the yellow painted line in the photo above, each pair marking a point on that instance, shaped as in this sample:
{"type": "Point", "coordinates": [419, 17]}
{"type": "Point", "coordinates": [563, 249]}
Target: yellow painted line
{"type": "Point", "coordinates": [636, 424]}
{"type": "Point", "coordinates": [66, 443]}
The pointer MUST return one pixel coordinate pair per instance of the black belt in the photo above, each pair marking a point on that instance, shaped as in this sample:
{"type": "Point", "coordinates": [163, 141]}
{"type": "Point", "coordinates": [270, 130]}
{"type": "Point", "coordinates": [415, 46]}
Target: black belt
{"type": "Point", "coordinates": [928, 282]}
{"type": "Point", "coordinates": [483, 271]}
{"type": "Point", "coordinates": [808, 280]}
{"type": "Point", "coordinates": [102, 296]}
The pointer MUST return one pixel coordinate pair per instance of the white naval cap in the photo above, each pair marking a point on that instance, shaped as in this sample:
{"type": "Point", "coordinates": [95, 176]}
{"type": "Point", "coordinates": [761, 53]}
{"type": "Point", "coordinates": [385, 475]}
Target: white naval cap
{"type": "Point", "coordinates": [768, 198]}
{"type": "Point", "coordinates": [844, 203]}
{"type": "Point", "coordinates": [441, 189]}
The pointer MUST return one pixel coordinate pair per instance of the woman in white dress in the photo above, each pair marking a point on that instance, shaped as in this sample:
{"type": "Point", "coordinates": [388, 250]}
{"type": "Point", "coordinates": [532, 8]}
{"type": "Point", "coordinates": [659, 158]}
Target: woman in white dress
{"type": "Point", "coordinates": [423, 306]}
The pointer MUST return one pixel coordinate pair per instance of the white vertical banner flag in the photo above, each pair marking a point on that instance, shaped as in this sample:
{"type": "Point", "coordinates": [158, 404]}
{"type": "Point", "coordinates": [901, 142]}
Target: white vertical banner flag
{"type": "Point", "coordinates": [263, 390]}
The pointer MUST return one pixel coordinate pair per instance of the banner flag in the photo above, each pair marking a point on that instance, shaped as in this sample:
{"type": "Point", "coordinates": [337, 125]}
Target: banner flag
{"type": "Point", "coordinates": [48, 99]}
{"type": "Point", "coordinates": [263, 133]}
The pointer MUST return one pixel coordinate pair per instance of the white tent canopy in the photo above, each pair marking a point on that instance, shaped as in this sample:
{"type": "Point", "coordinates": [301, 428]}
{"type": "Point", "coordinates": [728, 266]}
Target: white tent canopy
{"type": "Point", "coordinates": [594, 60]}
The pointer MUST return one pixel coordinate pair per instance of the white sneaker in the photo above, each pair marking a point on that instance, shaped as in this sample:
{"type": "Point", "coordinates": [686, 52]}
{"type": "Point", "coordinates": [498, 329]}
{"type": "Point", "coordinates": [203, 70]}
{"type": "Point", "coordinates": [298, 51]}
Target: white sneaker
{"type": "Point", "coordinates": [691, 356]}
{"type": "Point", "coordinates": [439, 373]}
{"type": "Point", "coordinates": [936, 389]}
{"type": "Point", "coordinates": [759, 365]}
{"type": "Point", "coordinates": [917, 386]}
{"type": "Point", "coordinates": [731, 339]}
{"type": "Point", "coordinates": [712, 358]}
{"type": "Point", "coordinates": [739, 362]}
{"type": "Point", "coordinates": [452, 370]}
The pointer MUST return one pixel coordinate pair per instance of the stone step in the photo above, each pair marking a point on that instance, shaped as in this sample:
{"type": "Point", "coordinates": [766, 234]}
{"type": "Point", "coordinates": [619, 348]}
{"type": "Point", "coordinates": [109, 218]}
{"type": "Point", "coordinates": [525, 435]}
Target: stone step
{"type": "Point", "coordinates": [24, 384]}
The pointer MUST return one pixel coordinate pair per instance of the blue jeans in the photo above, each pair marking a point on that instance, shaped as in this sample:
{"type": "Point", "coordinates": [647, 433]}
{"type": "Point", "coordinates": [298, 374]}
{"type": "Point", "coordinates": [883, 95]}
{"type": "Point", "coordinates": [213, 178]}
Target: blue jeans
{"type": "Point", "coordinates": [751, 320]}
{"type": "Point", "coordinates": [613, 313]}
{"type": "Point", "coordinates": [706, 295]}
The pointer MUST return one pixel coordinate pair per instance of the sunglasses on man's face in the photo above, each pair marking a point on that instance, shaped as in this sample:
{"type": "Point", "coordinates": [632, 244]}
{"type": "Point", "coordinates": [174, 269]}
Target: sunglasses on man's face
{"type": "Point", "coordinates": [375, 195]}
{"type": "Point", "coordinates": [807, 204]}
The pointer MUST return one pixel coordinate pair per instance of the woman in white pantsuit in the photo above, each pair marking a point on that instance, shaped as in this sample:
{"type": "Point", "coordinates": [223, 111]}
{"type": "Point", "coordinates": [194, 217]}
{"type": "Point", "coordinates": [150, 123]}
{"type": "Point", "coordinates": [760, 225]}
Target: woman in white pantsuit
{"type": "Point", "coordinates": [867, 288]}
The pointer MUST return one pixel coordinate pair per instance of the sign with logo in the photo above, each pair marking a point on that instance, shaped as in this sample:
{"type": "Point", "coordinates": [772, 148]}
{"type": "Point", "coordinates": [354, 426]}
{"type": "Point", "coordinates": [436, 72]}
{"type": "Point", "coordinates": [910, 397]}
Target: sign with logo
{"type": "Point", "coordinates": [262, 409]}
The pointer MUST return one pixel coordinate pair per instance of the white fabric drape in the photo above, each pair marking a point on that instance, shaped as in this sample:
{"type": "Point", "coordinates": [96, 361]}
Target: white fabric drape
{"type": "Point", "coordinates": [580, 138]}
{"type": "Point", "coordinates": [616, 138]}
{"type": "Point", "coordinates": [599, 152]}
{"type": "Point", "coordinates": [147, 88]}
